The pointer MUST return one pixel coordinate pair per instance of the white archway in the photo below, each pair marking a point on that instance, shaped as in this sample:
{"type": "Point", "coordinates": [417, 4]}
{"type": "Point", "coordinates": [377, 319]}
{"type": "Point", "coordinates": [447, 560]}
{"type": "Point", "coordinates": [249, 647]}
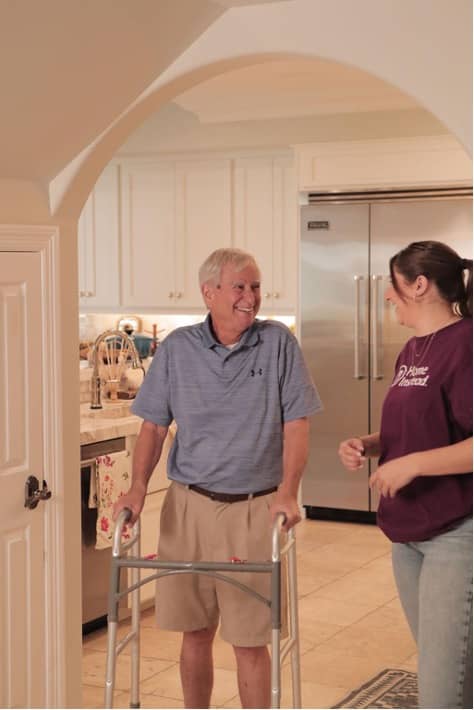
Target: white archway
{"type": "Point", "coordinates": [422, 48]}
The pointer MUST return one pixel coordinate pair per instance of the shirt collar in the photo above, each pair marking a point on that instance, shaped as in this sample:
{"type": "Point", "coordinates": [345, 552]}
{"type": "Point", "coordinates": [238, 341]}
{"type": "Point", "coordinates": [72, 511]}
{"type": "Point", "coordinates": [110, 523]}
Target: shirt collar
{"type": "Point", "coordinates": [249, 338]}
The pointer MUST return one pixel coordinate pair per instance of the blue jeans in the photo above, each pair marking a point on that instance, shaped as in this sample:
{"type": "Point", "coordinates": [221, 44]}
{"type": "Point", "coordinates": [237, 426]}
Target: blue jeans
{"type": "Point", "coordinates": [434, 580]}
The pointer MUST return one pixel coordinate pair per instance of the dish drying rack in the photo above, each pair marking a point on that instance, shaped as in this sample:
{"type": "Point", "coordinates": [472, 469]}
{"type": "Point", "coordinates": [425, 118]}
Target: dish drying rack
{"type": "Point", "coordinates": [112, 354]}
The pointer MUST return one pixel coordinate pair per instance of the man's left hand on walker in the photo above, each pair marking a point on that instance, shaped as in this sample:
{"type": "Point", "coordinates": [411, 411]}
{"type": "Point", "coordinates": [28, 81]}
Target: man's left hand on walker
{"type": "Point", "coordinates": [288, 505]}
{"type": "Point", "coordinates": [389, 478]}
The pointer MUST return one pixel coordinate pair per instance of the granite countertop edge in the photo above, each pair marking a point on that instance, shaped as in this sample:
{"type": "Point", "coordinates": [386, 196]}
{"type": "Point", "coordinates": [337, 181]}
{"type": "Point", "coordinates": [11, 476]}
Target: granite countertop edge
{"type": "Point", "coordinates": [93, 430]}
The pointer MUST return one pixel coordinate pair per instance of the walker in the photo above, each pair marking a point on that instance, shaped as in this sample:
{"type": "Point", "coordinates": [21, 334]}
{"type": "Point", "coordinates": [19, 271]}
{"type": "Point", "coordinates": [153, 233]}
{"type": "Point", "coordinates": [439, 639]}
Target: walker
{"type": "Point", "coordinates": [127, 555]}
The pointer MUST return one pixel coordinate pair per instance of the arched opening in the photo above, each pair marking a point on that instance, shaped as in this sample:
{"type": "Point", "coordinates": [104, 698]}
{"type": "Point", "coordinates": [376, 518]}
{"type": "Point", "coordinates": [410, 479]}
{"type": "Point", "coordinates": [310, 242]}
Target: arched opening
{"type": "Point", "coordinates": [240, 125]}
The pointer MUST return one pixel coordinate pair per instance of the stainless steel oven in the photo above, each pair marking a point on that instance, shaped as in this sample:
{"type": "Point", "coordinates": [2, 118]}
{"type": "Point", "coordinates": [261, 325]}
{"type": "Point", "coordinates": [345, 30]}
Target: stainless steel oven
{"type": "Point", "coordinates": [95, 563]}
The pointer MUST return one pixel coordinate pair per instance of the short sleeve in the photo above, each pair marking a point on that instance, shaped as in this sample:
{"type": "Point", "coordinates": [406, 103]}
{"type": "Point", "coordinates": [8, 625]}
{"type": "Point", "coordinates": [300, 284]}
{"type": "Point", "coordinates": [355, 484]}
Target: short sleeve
{"type": "Point", "coordinates": [299, 396]}
{"type": "Point", "coordinates": [152, 402]}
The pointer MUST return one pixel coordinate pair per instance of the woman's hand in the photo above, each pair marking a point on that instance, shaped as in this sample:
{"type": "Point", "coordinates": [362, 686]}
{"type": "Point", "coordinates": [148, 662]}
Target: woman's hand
{"type": "Point", "coordinates": [389, 478]}
{"type": "Point", "coordinates": [351, 453]}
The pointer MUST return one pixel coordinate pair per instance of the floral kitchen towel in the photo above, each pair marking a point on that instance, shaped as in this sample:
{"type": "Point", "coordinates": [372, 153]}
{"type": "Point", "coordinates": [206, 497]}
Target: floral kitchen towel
{"type": "Point", "coordinates": [113, 477]}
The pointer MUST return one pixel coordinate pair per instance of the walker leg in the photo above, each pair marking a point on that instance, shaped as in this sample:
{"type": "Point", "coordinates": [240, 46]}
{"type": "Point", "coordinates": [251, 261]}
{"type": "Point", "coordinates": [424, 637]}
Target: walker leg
{"type": "Point", "coordinates": [110, 669]}
{"type": "Point", "coordinates": [276, 630]}
{"type": "Point", "coordinates": [135, 642]}
{"type": "Point", "coordinates": [276, 670]}
{"type": "Point", "coordinates": [294, 627]}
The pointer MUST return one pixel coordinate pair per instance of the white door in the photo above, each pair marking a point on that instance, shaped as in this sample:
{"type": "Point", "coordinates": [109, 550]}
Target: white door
{"type": "Point", "coordinates": [23, 633]}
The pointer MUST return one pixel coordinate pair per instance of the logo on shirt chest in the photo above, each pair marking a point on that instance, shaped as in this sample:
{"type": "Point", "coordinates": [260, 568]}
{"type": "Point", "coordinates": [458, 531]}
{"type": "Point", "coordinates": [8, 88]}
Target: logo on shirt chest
{"type": "Point", "coordinates": [411, 376]}
{"type": "Point", "coordinates": [255, 373]}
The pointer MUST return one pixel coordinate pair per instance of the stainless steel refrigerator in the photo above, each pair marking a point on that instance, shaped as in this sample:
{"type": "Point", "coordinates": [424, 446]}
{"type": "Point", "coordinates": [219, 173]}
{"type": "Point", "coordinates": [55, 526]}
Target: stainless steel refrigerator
{"type": "Point", "coordinates": [349, 335]}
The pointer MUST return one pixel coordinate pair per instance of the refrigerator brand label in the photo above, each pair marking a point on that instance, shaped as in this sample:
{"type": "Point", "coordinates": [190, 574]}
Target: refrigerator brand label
{"type": "Point", "coordinates": [318, 224]}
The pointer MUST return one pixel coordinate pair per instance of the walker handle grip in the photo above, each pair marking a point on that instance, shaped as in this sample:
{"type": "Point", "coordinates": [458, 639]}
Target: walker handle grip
{"type": "Point", "coordinates": [123, 517]}
{"type": "Point", "coordinates": [280, 520]}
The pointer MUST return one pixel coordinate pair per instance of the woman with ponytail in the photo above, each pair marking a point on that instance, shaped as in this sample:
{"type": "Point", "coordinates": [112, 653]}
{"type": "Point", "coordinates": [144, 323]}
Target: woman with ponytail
{"type": "Point", "coordinates": [424, 472]}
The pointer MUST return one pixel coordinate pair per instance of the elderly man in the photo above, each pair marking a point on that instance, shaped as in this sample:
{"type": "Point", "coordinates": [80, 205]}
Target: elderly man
{"type": "Point", "coordinates": [240, 394]}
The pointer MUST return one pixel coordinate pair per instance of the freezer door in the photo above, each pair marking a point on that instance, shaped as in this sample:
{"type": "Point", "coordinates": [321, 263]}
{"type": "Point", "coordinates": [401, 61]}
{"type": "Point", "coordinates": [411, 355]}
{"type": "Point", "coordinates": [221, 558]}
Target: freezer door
{"type": "Point", "coordinates": [392, 227]}
{"type": "Point", "coordinates": [334, 336]}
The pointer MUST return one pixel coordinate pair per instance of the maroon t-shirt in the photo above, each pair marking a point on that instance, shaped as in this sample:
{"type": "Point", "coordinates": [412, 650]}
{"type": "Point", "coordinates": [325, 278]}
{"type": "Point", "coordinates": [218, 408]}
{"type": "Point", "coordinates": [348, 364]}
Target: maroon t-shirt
{"type": "Point", "coordinates": [428, 405]}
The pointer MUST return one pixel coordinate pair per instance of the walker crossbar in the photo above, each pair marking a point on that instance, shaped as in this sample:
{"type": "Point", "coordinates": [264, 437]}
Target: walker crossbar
{"type": "Point", "coordinates": [133, 561]}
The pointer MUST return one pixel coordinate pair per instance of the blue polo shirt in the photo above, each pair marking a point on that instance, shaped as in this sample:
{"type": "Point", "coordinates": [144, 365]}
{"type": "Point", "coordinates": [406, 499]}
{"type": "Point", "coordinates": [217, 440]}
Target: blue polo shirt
{"type": "Point", "coordinates": [229, 405]}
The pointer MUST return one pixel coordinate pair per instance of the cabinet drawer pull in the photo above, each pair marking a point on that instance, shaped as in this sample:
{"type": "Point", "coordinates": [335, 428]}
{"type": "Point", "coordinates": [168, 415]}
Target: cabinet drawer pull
{"type": "Point", "coordinates": [276, 295]}
{"type": "Point", "coordinates": [171, 294]}
{"type": "Point", "coordinates": [179, 294]}
{"type": "Point", "coordinates": [268, 295]}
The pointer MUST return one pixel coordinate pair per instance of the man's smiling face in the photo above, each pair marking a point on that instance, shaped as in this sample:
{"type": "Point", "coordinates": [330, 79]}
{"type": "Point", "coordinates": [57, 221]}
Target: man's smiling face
{"type": "Point", "coordinates": [234, 302]}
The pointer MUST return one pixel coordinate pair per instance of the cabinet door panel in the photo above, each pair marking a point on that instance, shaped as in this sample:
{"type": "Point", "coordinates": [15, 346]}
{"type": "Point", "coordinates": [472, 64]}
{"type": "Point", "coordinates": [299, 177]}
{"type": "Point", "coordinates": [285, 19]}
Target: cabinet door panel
{"type": "Point", "coordinates": [150, 526]}
{"type": "Point", "coordinates": [253, 216]}
{"type": "Point", "coordinates": [98, 239]}
{"type": "Point", "coordinates": [285, 245]}
{"type": "Point", "coordinates": [148, 234]}
{"type": "Point", "coordinates": [265, 225]}
{"type": "Point", "coordinates": [203, 222]}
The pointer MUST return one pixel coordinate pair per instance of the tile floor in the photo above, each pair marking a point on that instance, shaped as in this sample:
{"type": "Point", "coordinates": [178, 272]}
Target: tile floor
{"type": "Point", "coordinates": [351, 627]}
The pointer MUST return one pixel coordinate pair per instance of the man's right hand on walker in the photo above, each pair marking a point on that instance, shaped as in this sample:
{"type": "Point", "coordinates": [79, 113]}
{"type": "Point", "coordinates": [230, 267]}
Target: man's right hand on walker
{"type": "Point", "coordinates": [133, 500]}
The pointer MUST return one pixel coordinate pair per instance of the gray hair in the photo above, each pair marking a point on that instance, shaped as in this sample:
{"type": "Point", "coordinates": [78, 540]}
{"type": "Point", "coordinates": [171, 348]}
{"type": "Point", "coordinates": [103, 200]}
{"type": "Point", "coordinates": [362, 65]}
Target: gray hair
{"type": "Point", "coordinates": [211, 269]}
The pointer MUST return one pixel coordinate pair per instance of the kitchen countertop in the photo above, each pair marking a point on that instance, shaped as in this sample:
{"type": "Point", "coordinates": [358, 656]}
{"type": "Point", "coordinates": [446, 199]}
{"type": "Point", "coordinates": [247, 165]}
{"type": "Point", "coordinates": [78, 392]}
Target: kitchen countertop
{"type": "Point", "coordinates": [102, 427]}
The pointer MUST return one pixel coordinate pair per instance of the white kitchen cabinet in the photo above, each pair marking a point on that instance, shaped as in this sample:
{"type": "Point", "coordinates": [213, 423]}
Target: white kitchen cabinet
{"type": "Point", "coordinates": [148, 234]}
{"type": "Point", "coordinates": [150, 516]}
{"type": "Point", "coordinates": [174, 213]}
{"type": "Point", "coordinates": [203, 221]}
{"type": "Point", "coordinates": [265, 224]}
{"type": "Point", "coordinates": [98, 244]}
{"type": "Point", "coordinates": [418, 162]}
{"type": "Point", "coordinates": [159, 478]}
{"type": "Point", "coordinates": [149, 534]}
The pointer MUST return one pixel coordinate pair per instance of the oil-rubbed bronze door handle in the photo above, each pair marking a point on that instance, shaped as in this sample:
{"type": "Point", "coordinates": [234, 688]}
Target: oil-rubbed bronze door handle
{"type": "Point", "coordinates": [33, 493]}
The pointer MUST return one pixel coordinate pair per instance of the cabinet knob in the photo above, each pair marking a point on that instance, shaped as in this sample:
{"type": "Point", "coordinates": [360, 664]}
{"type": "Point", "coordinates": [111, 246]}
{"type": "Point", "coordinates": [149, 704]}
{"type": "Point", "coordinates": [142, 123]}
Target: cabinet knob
{"type": "Point", "coordinates": [82, 294]}
{"type": "Point", "coordinates": [268, 295]}
{"type": "Point", "coordinates": [179, 294]}
{"type": "Point", "coordinates": [171, 294]}
{"type": "Point", "coordinates": [276, 295]}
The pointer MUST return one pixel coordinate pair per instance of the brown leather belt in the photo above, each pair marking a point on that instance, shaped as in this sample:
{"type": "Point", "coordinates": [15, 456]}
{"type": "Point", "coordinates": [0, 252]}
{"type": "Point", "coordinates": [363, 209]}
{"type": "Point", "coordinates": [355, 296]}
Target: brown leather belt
{"type": "Point", "coordinates": [230, 497]}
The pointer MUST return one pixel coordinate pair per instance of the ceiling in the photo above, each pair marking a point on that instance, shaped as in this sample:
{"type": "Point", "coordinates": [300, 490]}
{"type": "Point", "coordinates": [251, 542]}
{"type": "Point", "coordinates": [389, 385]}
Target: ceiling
{"type": "Point", "coordinates": [292, 88]}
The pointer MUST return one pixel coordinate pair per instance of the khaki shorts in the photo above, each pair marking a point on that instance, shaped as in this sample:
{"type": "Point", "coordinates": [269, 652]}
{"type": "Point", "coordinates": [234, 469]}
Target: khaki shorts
{"type": "Point", "coordinates": [193, 528]}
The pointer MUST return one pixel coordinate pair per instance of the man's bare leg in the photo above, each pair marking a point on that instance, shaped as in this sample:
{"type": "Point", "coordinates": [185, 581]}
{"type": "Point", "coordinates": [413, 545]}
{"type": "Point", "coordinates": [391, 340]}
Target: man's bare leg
{"type": "Point", "coordinates": [196, 667]}
{"type": "Point", "coordinates": [253, 675]}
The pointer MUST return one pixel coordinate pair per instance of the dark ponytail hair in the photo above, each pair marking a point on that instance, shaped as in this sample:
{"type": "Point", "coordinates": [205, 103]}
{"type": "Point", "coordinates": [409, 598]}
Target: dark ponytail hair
{"type": "Point", "coordinates": [440, 264]}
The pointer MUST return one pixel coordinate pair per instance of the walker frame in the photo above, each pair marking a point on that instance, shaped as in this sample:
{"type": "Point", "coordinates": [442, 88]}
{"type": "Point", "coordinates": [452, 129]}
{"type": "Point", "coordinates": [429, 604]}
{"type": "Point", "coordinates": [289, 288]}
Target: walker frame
{"type": "Point", "coordinates": [127, 555]}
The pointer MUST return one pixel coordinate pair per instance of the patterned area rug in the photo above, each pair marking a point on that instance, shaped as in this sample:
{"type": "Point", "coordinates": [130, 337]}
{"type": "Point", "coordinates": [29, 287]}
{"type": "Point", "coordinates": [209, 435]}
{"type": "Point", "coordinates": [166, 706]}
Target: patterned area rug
{"type": "Point", "coordinates": [389, 689]}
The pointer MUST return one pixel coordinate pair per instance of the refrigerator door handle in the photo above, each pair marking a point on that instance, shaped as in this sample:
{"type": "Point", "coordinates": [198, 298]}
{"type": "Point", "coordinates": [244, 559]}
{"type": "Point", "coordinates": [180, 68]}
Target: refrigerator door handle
{"type": "Point", "coordinates": [357, 373]}
{"type": "Point", "coordinates": [377, 373]}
